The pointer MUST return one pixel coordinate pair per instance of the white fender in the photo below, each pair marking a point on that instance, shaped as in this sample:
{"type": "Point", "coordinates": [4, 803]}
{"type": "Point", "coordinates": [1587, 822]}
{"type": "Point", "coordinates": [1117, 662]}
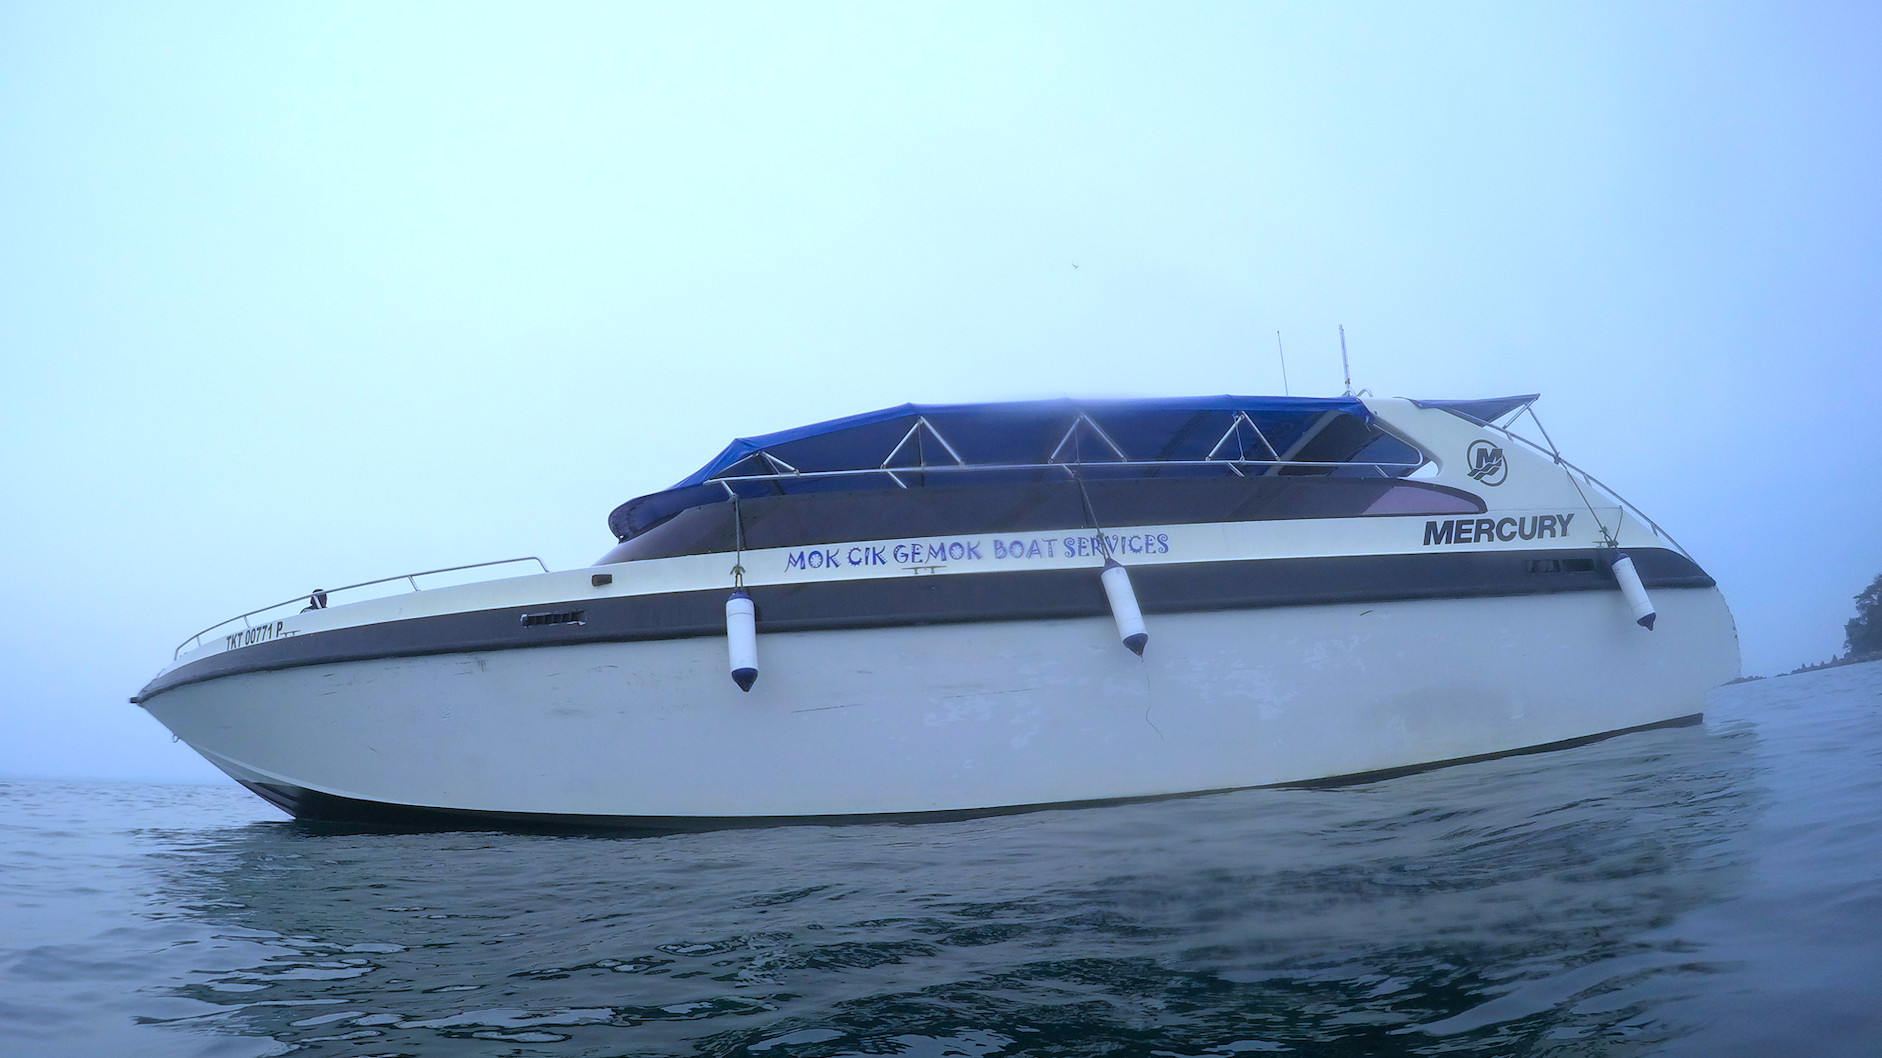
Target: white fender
{"type": "Point", "coordinates": [1636, 592]}
{"type": "Point", "coordinates": [1130, 619]}
{"type": "Point", "coordinates": [741, 638]}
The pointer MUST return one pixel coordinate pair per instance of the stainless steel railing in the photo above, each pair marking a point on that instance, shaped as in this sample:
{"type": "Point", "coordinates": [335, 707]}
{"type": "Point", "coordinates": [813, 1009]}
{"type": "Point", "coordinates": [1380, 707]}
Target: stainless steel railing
{"type": "Point", "coordinates": [303, 598]}
{"type": "Point", "coordinates": [1547, 447]}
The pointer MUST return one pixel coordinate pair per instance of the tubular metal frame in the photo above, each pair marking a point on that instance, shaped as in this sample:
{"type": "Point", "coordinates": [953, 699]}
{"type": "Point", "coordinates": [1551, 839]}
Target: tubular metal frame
{"type": "Point", "coordinates": [1555, 456]}
{"type": "Point", "coordinates": [409, 578]}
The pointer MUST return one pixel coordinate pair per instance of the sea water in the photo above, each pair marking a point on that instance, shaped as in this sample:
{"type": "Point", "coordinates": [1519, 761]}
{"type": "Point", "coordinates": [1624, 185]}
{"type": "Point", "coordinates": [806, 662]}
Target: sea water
{"type": "Point", "coordinates": [1712, 890]}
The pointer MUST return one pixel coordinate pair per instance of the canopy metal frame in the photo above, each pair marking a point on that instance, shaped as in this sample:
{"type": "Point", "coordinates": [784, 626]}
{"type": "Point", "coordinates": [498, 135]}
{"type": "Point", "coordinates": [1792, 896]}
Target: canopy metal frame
{"type": "Point", "coordinates": [1233, 466]}
{"type": "Point", "coordinates": [921, 454]}
{"type": "Point", "coordinates": [1241, 463]}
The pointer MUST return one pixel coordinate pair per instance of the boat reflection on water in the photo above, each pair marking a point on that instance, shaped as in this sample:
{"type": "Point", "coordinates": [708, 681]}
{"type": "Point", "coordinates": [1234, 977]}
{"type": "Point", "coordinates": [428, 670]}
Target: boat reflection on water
{"type": "Point", "coordinates": [1511, 906]}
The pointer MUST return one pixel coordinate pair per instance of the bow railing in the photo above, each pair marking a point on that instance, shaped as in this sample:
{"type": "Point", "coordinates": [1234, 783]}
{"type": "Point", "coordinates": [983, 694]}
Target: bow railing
{"type": "Point", "coordinates": [317, 599]}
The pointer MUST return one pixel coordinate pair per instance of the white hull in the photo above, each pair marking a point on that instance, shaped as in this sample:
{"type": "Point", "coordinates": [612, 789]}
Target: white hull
{"type": "Point", "coordinates": [963, 717]}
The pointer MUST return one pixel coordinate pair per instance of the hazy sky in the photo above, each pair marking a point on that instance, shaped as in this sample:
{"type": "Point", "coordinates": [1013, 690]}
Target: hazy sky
{"type": "Point", "coordinates": [295, 295]}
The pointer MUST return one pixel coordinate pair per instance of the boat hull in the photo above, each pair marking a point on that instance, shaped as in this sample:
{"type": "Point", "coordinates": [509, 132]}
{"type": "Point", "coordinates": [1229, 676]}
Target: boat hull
{"type": "Point", "coordinates": [942, 720]}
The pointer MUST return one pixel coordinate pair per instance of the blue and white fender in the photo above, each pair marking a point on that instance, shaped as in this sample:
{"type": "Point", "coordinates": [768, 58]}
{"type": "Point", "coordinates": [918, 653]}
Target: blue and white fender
{"type": "Point", "coordinates": [741, 638]}
{"type": "Point", "coordinates": [1124, 610]}
{"type": "Point", "coordinates": [1629, 579]}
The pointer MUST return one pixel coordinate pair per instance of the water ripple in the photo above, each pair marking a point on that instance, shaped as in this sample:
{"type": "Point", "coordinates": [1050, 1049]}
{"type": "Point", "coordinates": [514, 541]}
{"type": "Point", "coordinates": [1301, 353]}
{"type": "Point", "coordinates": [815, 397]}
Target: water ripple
{"type": "Point", "coordinates": [1621, 898]}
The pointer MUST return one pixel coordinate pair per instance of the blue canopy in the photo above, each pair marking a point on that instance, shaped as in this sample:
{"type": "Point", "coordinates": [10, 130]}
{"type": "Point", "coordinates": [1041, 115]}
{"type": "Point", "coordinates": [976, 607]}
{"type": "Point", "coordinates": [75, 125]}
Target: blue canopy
{"type": "Point", "coordinates": [1029, 432]}
{"type": "Point", "coordinates": [861, 451]}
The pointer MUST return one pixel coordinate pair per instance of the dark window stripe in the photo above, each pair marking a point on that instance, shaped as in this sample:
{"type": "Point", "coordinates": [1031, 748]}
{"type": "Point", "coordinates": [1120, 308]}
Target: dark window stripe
{"type": "Point", "coordinates": [1005, 509]}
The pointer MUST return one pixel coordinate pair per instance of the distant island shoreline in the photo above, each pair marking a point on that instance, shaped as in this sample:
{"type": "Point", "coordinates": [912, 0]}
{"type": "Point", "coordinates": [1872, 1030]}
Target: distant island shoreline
{"type": "Point", "coordinates": [1833, 663]}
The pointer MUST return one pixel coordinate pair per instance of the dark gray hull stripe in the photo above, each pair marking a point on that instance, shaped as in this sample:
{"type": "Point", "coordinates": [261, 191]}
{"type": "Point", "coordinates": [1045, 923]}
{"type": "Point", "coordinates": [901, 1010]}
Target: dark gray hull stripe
{"type": "Point", "coordinates": [331, 811]}
{"type": "Point", "coordinates": [898, 601]}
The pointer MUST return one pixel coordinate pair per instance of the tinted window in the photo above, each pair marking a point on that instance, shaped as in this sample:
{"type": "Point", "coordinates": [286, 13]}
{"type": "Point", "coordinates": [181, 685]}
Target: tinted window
{"type": "Point", "coordinates": [790, 521]}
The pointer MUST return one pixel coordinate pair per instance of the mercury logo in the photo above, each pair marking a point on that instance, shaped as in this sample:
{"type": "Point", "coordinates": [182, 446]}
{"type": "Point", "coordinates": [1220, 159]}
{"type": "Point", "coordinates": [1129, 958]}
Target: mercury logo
{"type": "Point", "coordinates": [1486, 463]}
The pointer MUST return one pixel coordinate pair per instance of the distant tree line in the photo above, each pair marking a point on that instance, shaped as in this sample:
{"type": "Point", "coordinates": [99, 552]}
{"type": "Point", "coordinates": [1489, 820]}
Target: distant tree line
{"type": "Point", "coordinates": [1862, 636]}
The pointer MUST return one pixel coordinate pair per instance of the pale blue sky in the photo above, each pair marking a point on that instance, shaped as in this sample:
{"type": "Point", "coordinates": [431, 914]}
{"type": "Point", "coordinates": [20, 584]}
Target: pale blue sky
{"type": "Point", "coordinates": [294, 295]}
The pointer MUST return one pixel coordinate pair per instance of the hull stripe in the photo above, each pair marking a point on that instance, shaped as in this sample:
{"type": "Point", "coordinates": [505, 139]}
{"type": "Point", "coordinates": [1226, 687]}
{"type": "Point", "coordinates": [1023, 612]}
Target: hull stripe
{"type": "Point", "coordinates": [916, 600]}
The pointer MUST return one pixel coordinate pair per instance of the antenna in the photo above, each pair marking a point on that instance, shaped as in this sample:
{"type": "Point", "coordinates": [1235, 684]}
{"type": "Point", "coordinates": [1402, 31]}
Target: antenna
{"type": "Point", "coordinates": [1343, 361]}
{"type": "Point", "coordinates": [1277, 345]}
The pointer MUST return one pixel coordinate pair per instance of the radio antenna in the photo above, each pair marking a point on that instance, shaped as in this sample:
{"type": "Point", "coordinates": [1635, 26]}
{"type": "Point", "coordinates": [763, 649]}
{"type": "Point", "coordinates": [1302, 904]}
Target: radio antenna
{"type": "Point", "coordinates": [1343, 362]}
{"type": "Point", "coordinates": [1285, 392]}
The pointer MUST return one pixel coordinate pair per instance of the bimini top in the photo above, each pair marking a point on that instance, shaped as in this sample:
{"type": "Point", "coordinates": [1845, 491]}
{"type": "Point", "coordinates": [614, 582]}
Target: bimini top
{"type": "Point", "coordinates": [917, 444]}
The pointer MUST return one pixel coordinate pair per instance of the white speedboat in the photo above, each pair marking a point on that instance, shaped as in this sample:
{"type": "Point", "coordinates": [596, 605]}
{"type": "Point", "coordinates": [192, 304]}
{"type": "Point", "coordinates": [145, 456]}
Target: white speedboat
{"type": "Point", "coordinates": [941, 611]}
